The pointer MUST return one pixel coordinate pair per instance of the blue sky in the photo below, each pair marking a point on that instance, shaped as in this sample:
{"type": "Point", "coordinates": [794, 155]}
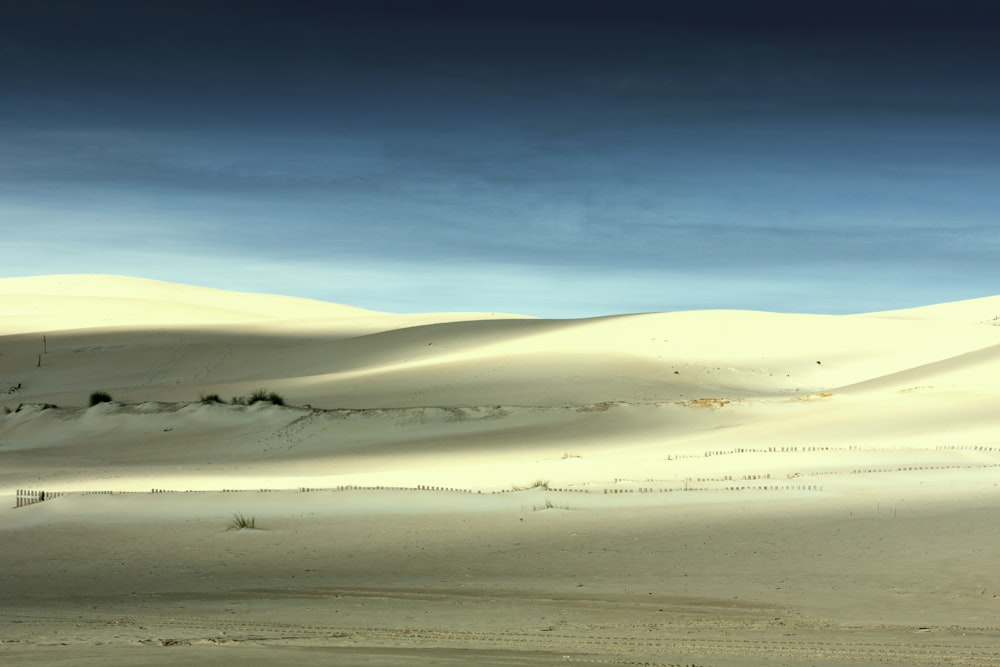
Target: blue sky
{"type": "Point", "coordinates": [550, 158]}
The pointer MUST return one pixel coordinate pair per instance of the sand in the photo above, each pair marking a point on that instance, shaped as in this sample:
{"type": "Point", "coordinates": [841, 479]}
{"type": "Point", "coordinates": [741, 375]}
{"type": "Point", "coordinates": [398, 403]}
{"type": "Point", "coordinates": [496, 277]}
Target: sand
{"type": "Point", "coordinates": [709, 488]}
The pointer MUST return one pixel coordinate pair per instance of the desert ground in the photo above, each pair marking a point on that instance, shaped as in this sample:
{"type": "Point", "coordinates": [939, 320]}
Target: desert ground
{"type": "Point", "coordinates": [707, 488]}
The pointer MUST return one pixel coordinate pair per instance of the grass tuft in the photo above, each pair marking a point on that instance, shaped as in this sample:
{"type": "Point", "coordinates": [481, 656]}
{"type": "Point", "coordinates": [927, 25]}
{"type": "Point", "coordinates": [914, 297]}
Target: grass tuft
{"type": "Point", "coordinates": [263, 395]}
{"type": "Point", "coordinates": [210, 398]}
{"type": "Point", "coordinates": [537, 484]}
{"type": "Point", "coordinates": [549, 505]}
{"type": "Point", "coordinates": [241, 521]}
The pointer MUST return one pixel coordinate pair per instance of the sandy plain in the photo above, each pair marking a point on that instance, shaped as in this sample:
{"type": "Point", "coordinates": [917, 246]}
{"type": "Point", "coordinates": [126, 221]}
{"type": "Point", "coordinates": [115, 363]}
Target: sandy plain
{"type": "Point", "coordinates": [710, 488]}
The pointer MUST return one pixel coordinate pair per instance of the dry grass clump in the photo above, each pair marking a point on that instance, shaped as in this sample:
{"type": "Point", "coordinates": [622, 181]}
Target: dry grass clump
{"type": "Point", "coordinates": [99, 397]}
{"type": "Point", "coordinates": [537, 484]}
{"type": "Point", "coordinates": [549, 505]}
{"type": "Point", "coordinates": [264, 395]}
{"type": "Point", "coordinates": [707, 402]}
{"type": "Point", "coordinates": [259, 396]}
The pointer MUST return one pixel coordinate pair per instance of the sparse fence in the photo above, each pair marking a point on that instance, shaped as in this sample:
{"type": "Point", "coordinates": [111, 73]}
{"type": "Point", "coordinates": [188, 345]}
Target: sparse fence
{"type": "Point", "coordinates": [25, 498]}
{"type": "Point", "coordinates": [28, 497]}
{"type": "Point", "coordinates": [688, 484]}
{"type": "Point", "coordinates": [687, 489]}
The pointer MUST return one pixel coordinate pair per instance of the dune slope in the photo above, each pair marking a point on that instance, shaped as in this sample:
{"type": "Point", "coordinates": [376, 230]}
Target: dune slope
{"type": "Point", "coordinates": [603, 479]}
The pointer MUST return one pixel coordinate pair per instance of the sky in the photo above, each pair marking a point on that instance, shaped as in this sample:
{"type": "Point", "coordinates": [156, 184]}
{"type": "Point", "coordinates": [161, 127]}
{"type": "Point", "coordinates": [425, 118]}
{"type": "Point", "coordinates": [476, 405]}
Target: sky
{"type": "Point", "coordinates": [558, 159]}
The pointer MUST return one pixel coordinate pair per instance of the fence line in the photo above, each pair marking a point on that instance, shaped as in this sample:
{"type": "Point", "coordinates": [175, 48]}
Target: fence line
{"type": "Point", "coordinates": [25, 497]}
{"type": "Point", "coordinates": [28, 497]}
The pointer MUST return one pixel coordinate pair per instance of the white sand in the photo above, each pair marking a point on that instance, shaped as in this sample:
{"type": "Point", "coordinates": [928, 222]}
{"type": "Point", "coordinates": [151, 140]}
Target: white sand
{"type": "Point", "coordinates": [724, 487]}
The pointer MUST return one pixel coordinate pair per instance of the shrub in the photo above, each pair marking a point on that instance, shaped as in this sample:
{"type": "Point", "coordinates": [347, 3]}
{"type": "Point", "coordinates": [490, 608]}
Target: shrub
{"type": "Point", "coordinates": [241, 521]}
{"type": "Point", "coordinates": [99, 397]}
{"type": "Point", "coordinates": [210, 398]}
{"type": "Point", "coordinates": [263, 395]}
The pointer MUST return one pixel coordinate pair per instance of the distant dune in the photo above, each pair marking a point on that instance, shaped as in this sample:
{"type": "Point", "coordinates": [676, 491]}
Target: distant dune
{"type": "Point", "coordinates": [527, 466]}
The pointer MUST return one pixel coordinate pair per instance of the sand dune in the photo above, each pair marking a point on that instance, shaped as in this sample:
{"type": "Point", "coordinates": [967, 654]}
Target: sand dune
{"type": "Point", "coordinates": [695, 486]}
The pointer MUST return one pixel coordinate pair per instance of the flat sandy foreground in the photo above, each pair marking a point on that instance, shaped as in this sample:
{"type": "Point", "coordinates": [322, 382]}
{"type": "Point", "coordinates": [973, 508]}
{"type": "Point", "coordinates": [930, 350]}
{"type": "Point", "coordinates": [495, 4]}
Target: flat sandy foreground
{"type": "Point", "coordinates": [696, 488]}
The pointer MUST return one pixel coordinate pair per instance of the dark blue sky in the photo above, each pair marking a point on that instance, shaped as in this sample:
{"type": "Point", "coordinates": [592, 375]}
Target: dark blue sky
{"type": "Point", "coordinates": [550, 158]}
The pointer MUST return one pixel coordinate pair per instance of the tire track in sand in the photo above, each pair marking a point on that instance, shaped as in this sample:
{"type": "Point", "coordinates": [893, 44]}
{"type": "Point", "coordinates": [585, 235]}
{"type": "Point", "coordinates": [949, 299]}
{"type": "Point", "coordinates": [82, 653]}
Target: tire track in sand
{"type": "Point", "coordinates": [620, 644]}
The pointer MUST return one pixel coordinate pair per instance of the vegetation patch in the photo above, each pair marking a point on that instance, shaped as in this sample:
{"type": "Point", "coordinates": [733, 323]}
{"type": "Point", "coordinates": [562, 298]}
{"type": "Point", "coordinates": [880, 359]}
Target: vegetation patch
{"type": "Point", "coordinates": [261, 395]}
{"type": "Point", "coordinates": [707, 402]}
{"type": "Point", "coordinates": [549, 505]}
{"type": "Point", "coordinates": [537, 484]}
{"type": "Point", "coordinates": [99, 397]}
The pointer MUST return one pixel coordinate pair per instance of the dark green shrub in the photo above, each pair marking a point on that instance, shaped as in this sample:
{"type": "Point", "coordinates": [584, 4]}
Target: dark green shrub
{"type": "Point", "coordinates": [210, 398]}
{"type": "Point", "coordinates": [257, 396]}
{"type": "Point", "coordinates": [99, 397]}
{"type": "Point", "coordinates": [263, 395]}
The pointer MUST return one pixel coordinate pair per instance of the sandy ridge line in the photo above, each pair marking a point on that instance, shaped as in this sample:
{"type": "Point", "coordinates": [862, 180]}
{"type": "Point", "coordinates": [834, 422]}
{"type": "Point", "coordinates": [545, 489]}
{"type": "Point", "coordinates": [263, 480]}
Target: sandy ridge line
{"type": "Point", "coordinates": [929, 369]}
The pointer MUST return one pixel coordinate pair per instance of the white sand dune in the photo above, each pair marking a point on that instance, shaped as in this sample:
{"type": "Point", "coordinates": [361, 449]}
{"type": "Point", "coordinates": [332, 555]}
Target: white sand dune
{"type": "Point", "coordinates": [776, 473]}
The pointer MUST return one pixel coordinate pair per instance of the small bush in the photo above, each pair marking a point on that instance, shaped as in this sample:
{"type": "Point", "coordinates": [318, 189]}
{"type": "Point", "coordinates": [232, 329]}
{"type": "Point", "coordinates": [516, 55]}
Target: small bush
{"type": "Point", "coordinates": [99, 397]}
{"type": "Point", "coordinates": [241, 521]}
{"type": "Point", "coordinates": [257, 396]}
{"type": "Point", "coordinates": [210, 398]}
{"type": "Point", "coordinates": [263, 395]}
